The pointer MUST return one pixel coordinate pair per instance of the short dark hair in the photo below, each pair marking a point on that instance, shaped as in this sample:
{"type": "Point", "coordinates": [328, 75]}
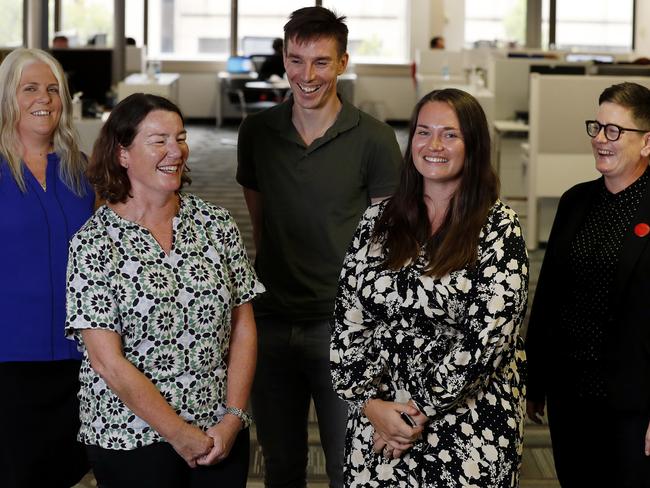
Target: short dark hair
{"type": "Point", "coordinates": [434, 41]}
{"type": "Point", "coordinates": [632, 96]}
{"type": "Point", "coordinates": [105, 172]}
{"type": "Point", "coordinates": [312, 23]}
{"type": "Point", "coordinates": [277, 45]}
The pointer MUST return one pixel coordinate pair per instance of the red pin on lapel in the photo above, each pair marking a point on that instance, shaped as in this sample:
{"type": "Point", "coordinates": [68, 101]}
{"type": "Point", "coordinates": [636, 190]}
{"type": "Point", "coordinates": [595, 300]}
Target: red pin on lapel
{"type": "Point", "coordinates": [642, 229]}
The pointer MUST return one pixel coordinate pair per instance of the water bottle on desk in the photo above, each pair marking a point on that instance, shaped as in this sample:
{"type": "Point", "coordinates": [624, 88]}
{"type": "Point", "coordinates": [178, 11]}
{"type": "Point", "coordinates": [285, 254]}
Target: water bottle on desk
{"type": "Point", "coordinates": [153, 69]}
{"type": "Point", "coordinates": [445, 71]}
{"type": "Point", "coordinates": [76, 106]}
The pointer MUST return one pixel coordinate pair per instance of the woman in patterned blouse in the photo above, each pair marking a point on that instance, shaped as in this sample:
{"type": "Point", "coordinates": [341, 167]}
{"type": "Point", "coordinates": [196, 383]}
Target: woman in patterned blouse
{"type": "Point", "coordinates": [431, 296]}
{"type": "Point", "coordinates": [159, 286]}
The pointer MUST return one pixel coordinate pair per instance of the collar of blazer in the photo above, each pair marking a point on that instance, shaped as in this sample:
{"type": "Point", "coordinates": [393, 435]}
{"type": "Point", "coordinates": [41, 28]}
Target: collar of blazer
{"type": "Point", "coordinates": [634, 246]}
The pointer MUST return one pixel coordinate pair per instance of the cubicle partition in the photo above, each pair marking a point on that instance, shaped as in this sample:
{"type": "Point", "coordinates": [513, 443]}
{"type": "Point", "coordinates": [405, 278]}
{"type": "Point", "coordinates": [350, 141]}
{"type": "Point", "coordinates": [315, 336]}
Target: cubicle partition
{"type": "Point", "coordinates": [560, 153]}
{"type": "Point", "coordinates": [508, 80]}
{"type": "Point", "coordinates": [440, 62]}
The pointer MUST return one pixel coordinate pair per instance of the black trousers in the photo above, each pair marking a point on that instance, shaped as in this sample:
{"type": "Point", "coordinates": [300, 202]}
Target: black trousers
{"type": "Point", "coordinates": [160, 466]}
{"type": "Point", "coordinates": [594, 446]}
{"type": "Point", "coordinates": [293, 366]}
{"type": "Point", "coordinates": [39, 421]}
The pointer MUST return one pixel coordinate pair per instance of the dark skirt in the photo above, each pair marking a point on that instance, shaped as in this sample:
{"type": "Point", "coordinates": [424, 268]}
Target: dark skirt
{"type": "Point", "coordinates": [39, 422]}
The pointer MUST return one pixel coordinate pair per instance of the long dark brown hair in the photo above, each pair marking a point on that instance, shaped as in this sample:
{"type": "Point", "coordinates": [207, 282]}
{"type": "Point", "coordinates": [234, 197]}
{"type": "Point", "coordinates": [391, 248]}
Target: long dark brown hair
{"type": "Point", "coordinates": [404, 229]}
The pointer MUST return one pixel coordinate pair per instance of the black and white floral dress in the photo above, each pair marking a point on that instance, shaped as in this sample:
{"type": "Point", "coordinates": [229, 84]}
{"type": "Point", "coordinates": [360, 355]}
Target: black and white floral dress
{"type": "Point", "coordinates": [451, 344]}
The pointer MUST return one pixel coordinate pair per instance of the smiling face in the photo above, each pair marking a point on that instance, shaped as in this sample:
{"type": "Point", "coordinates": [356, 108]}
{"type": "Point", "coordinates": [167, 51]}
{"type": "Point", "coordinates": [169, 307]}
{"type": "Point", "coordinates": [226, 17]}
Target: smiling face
{"type": "Point", "coordinates": [438, 148]}
{"type": "Point", "coordinates": [156, 157]}
{"type": "Point", "coordinates": [312, 69]}
{"type": "Point", "coordinates": [622, 161]}
{"type": "Point", "coordinates": [39, 101]}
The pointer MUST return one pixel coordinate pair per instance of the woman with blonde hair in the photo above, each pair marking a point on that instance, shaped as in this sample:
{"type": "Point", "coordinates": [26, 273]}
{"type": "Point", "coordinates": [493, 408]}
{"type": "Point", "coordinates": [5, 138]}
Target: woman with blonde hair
{"type": "Point", "coordinates": [45, 199]}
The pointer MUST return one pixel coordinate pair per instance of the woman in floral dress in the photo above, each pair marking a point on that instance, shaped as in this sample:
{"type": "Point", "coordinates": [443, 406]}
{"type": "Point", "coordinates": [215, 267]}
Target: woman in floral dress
{"type": "Point", "coordinates": [431, 297]}
{"type": "Point", "coordinates": [159, 291]}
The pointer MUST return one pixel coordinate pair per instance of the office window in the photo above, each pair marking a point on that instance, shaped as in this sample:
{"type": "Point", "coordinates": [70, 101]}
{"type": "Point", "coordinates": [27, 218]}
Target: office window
{"type": "Point", "coordinates": [87, 22]}
{"type": "Point", "coordinates": [189, 29]}
{"type": "Point", "coordinates": [134, 20]}
{"type": "Point", "coordinates": [606, 25]}
{"type": "Point", "coordinates": [378, 30]}
{"type": "Point", "coordinates": [499, 22]}
{"type": "Point", "coordinates": [260, 21]}
{"type": "Point", "coordinates": [11, 23]}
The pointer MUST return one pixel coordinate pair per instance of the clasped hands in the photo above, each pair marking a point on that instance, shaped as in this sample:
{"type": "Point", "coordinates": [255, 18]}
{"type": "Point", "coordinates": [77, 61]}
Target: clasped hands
{"type": "Point", "coordinates": [393, 436]}
{"type": "Point", "coordinates": [200, 448]}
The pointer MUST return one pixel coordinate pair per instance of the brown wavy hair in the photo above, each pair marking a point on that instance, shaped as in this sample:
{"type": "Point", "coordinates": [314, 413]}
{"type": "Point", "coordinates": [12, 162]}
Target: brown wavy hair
{"type": "Point", "coordinates": [105, 172]}
{"type": "Point", "coordinates": [404, 229]}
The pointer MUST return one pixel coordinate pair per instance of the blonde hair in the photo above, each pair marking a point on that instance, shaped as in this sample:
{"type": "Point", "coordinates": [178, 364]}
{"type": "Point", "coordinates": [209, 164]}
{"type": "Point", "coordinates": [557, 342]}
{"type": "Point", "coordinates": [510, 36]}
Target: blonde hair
{"type": "Point", "coordinates": [73, 162]}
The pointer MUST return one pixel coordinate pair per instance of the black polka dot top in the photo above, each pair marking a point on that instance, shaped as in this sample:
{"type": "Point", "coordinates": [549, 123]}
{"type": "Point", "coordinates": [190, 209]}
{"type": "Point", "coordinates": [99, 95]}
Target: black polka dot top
{"type": "Point", "coordinates": [593, 260]}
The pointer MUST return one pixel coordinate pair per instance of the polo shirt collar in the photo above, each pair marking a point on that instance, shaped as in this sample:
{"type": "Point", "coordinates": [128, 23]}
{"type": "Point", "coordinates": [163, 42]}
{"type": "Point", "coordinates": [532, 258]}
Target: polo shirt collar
{"type": "Point", "coordinates": [348, 118]}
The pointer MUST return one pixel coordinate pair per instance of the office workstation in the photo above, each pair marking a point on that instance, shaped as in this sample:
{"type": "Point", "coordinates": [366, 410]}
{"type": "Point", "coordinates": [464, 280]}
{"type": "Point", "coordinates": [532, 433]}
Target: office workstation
{"type": "Point", "coordinates": [536, 100]}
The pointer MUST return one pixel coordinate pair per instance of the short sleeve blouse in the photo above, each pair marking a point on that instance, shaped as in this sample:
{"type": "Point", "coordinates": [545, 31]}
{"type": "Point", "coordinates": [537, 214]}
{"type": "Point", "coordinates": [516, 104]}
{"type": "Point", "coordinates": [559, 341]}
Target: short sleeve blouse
{"type": "Point", "coordinates": [172, 312]}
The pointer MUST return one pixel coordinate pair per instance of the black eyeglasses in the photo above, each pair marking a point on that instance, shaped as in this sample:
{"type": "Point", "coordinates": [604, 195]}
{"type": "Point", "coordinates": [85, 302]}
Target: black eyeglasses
{"type": "Point", "coordinates": [612, 131]}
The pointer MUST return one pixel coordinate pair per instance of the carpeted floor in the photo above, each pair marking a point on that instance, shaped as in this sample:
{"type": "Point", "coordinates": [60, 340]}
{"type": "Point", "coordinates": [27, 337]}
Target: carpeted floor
{"type": "Point", "coordinates": [213, 155]}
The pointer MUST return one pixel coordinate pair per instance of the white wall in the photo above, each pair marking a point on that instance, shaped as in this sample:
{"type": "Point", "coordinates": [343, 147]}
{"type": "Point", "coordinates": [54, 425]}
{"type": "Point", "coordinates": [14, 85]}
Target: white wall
{"type": "Point", "coordinates": [642, 32]}
{"type": "Point", "coordinates": [393, 94]}
{"type": "Point", "coordinates": [387, 93]}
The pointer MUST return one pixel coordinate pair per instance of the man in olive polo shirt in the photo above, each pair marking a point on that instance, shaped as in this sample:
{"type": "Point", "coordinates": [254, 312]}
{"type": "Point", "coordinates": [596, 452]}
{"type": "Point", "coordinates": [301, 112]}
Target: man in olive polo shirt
{"type": "Point", "coordinates": [309, 167]}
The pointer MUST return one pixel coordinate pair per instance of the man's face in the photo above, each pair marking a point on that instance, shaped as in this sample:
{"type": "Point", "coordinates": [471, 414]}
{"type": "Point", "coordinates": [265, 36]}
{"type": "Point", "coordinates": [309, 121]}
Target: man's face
{"type": "Point", "coordinates": [312, 69]}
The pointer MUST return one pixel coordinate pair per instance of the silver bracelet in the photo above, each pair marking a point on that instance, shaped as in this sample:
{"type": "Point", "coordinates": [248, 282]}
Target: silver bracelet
{"type": "Point", "coordinates": [245, 418]}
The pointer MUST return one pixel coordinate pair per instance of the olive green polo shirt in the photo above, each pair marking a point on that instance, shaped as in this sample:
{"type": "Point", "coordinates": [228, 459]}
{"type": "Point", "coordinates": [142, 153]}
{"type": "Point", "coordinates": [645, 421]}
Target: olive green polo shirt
{"type": "Point", "coordinates": [312, 200]}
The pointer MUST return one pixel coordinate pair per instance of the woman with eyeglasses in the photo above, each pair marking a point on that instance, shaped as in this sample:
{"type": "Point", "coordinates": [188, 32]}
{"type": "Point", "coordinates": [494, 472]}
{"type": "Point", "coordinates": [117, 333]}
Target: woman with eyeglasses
{"type": "Point", "coordinates": [588, 341]}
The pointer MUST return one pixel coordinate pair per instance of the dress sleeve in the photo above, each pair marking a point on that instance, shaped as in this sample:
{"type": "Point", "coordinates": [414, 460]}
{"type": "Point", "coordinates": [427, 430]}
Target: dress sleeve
{"type": "Point", "coordinates": [90, 301]}
{"type": "Point", "coordinates": [355, 359]}
{"type": "Point", "coordinates": [244, 282]}
{"type": "Point", "coordinates": [487, 334]}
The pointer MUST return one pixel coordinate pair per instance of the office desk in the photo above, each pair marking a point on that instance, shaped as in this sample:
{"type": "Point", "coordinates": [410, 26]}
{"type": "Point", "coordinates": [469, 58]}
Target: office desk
{"type": "Point", "coordinates": [268, 85]}
{"type": "Point", "coordinates": [227, 82]}
{"type": "Point", "coordinates": [164, 85]}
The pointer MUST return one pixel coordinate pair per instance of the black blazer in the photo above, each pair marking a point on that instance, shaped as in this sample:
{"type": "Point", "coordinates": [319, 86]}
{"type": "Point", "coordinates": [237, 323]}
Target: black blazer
{"type": "Point", "coordinates": [627, 341]}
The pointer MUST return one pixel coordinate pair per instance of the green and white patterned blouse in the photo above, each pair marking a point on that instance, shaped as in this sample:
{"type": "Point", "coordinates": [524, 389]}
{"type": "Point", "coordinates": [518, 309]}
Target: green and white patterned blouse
{"type": "Point", "coordinates": [172, 312]}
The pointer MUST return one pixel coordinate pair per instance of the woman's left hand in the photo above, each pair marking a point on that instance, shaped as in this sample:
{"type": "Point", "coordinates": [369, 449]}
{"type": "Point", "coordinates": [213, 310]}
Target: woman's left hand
{"type": "Point", "coordinates": [379, 445]}
{"type": "Point", "coordinates": [393, 431]}
{"type": "Point", "coordinates": [223, 434]}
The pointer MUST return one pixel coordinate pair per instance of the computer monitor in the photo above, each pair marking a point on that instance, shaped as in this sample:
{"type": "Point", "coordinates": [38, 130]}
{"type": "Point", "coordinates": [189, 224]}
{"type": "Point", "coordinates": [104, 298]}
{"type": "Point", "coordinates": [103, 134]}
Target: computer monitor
{"type": "Point", "coordinates": [623, 70]}
{"type": "Point", "coordinates": [557, 69]}
{"type": "Point", "coordinates": [586, 57]}
{"type": "Point", "coordinates": [257, 45]}
{"type": "Point", "coordinates": [88, 70]}
{"type": "Point", "coordinates": [239, 65]}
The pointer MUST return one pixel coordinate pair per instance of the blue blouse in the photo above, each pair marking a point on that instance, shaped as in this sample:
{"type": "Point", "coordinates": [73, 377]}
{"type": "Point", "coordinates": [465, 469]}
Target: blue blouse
{"type": "Point", "coordinates": [35, 229]}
